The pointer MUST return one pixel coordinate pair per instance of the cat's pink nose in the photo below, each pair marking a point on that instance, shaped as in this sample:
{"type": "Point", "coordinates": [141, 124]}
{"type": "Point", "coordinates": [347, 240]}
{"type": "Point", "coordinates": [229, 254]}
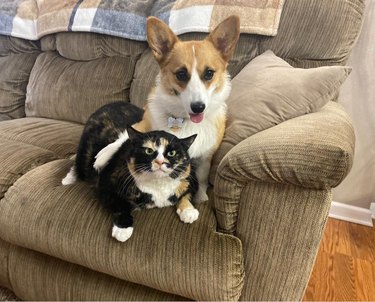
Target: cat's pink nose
{"type": "Point", "coordinates": [159, 160]}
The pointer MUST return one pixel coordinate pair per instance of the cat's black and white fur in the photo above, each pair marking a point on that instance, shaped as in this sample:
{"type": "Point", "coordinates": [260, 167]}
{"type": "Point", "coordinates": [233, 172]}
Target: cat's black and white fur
{"type": "Point", "coordinates": [150, 169]}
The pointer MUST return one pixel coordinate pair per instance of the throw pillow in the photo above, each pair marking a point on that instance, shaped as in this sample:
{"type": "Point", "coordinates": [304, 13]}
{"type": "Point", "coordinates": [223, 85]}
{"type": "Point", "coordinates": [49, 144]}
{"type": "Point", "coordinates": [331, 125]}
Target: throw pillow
{"type": "Point", "coordinates": [269, 91]}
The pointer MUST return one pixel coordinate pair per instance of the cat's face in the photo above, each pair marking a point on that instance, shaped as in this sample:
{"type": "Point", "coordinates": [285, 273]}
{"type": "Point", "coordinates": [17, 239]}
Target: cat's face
{"type": "Point", "coordinates": [158, 154]}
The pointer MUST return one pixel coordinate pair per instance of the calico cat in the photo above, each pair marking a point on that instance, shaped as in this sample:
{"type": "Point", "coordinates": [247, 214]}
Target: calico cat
{"type": "Point", "coordinates": [102, 128]}
{"type": "Point", "coordinates": [151, 169]}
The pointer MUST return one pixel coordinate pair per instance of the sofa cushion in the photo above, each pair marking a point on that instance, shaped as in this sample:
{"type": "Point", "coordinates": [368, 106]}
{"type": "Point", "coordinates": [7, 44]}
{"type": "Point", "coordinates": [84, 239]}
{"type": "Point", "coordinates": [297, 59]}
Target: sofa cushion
{"type": "Point", "coordinates": [316, 33]}
{"type": "Point", "coordinates": [17, 57]}
{"type": "Point", "coordinates": [14, 75]}
{"type": "Point", "coordinates": [29, 142]}
{"type": "Point", "coordinates": [11, 45]}
{"type": "Point", "coordinates": [269, 91]}
{"type": "Point", "coordinates": [67, 222]}
{"type": "Point", "coordinates": [72, 90]}
{"type": "Point", "coordinates": [4, 263]}
{"type": "Point", "coordinates": [59, 137]}
{"type": "Point", "coordinates": [51, 279]}
{"type": "Point", "coordinates": [89, 46]}
{"type": "Point", "coordinates": [18, 158]}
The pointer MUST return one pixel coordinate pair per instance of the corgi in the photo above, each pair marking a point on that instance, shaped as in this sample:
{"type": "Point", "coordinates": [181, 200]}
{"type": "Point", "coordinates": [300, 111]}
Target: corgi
{"type": "Point", "coordinates": [189, 96]}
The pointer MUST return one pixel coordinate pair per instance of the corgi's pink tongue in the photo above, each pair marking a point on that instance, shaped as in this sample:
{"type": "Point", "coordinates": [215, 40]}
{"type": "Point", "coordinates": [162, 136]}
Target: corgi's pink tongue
{"type": "Point", "coordinates": [196, 118]}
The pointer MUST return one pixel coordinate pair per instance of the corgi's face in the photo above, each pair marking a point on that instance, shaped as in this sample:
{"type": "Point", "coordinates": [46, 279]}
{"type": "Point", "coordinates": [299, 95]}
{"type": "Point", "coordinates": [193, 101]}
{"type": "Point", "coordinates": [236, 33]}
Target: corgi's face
{"type": "Point", "coordinates": [193, 73]}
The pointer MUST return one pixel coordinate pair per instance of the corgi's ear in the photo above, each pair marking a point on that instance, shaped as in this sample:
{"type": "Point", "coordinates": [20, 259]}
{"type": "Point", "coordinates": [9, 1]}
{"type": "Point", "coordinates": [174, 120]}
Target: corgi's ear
{"type": "Point", "coordinates": [225, 36]}
{"type": "Point", "coordinates": [160, 37]}
{"type": "Point", "coordinates": [133, 134]}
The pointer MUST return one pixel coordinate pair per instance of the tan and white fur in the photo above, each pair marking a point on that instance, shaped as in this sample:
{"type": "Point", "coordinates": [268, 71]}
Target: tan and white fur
{"type": "Point", "coordinates": [185, 90]}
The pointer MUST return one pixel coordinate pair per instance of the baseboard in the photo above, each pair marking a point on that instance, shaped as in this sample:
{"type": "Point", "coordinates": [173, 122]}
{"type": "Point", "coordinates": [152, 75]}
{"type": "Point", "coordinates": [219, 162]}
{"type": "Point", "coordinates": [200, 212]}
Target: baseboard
{"type": "Point", "coordinates": [351, 213]}
{"type": "Point", "coordinates": [372, 209]}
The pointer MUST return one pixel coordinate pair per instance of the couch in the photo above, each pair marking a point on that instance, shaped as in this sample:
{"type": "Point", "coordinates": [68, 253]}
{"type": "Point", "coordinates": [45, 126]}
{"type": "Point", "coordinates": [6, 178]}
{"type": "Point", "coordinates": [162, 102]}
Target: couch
{"type": "Point", "coordinates": [258, 235]}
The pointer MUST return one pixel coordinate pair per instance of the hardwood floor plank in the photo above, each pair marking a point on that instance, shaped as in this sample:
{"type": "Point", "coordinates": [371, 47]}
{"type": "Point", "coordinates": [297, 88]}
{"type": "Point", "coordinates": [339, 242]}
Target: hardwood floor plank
{"type": "Point", "coordinates": [365, 280]}
{"type": "Point", "coordinates": [343, 278]}
{"type": "Point", "coordinates": [345, 266]}
{"type": "Point", "coordinates": [321, 279]}
{"type": "Point", "coordinates": [363, 242]}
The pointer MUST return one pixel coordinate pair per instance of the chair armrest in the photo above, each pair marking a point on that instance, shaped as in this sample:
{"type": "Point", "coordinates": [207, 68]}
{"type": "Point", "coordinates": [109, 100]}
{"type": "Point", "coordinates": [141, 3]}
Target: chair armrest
{"type": "Point", "coordinates": [313, 151]}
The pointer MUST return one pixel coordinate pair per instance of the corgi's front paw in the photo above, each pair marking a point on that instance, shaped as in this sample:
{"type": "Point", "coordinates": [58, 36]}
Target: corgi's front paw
{"type": "Point", "coordinates": [122, 234]}
{"type": "Point", "coordinates": [188, 215]}
{"type": "Point", "coordinates": [201, 196]}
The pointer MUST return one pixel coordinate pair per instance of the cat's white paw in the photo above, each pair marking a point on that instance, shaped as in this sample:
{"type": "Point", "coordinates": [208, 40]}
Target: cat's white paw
{"type": "Point", "coordinates": [122, 234]}
{"type": "Point", "coordinates": [70, 178]}
{"type": "Point", "coordinates": [150, 205]}
{"type": "Point", "coordinates": [188, 215]}
{"type": "Point", "coordinates": [201, 196]}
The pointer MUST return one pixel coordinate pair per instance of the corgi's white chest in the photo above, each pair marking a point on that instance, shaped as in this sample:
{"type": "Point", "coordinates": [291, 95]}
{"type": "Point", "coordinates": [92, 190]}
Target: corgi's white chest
{"type": "Point", "coordinates": [207, 132]}
{"type": "Point", "coordinates": [205, 140]}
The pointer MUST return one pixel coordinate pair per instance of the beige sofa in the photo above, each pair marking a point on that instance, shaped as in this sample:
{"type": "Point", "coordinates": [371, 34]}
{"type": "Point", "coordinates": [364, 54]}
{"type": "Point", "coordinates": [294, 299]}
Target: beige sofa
{"type": "Point", "coordinates": [257, 236]}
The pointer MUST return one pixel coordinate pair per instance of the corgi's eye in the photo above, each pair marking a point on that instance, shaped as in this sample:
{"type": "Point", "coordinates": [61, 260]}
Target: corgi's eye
{"type": "Point", "coordinates": [149, 151]}
{"type": "Point", "coordinates": [182, 75]}
{"type": "Point", "coordinates": [171, 153]}
{"type": "Point", "coordinates": [208, 74]}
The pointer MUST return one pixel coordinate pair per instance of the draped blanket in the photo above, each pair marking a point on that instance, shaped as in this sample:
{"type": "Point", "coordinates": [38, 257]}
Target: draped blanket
{"type": "Point", "coordinates": [33, 19]}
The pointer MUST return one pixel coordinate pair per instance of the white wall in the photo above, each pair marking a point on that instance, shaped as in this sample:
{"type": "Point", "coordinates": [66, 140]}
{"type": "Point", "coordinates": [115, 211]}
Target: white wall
{"type": "Point", "coordinates": [358, 97]}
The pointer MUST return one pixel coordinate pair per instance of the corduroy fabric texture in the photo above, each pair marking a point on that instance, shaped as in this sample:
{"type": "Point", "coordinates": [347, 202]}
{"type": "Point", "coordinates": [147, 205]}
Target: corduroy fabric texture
{"type": "Point", "coordinates": [7, 295]}
{"type": "Point", "coordinates": [281, 227]}
{"type": "Point", "coordinates": [67, 222]}
{"type": "Point", "coordinates": [17, 58]}
{"type": "Point", "coordinates": [73, 90]}
{"type": "Point", "coordinates": [50, 279]}
{"type": "Point", "coordinates": [10, 45]}
{"type": "Point", "coordinates": [14, 75]}
{"type": "Point", "coordinates": [311, 151]}
{"type": "Point", "coordinates": [320, 31]}
{"type": "Point", "coordinates": [30, 142]}
{"type": "Point", "coordinates": [18, 158]}
{"type": "Point", "coordinates": [312, 33]}
{"type": "Point", "coordinates": [87, 47]}
{"type": "Point", "coordinates": [4, 260]}
{"type": "Point", "coordinates": [59, 137]}
{"type": "Point", "coordinates": [269, 91]}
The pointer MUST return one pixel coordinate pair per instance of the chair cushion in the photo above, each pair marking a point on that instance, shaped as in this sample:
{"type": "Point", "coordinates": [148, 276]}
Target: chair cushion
{"type": "Point", "coordinates": [67, 222]}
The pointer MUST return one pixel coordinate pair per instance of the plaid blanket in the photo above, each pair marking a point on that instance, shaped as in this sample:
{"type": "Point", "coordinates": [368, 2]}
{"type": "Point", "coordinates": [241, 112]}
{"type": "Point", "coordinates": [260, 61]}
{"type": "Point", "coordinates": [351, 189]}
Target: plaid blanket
{"type": "Point", "coordinates": [33, 19]}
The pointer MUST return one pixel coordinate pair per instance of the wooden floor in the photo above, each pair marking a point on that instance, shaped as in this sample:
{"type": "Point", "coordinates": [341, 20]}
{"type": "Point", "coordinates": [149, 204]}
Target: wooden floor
{"type": "Point", "coordinates": [345, 266]}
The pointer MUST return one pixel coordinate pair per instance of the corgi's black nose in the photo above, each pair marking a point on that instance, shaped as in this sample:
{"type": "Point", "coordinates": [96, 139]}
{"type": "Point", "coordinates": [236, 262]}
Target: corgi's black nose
{"type": "Point", "coordinates": [197, 107]}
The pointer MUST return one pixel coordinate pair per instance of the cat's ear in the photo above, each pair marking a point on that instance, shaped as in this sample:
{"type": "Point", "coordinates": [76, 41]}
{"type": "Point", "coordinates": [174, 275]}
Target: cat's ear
{"type": "Point", "coordinates": [188, 141]}
{"type": "Point", "coordinates": [133, 134]}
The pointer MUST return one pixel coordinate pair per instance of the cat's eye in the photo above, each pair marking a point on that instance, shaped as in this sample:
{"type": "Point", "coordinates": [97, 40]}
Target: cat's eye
{"type": "Point", "coordinates": [171, 153]}
{"type": "Point", "coordinates": [208, 74]}
{"type": "Point", "coordinates": [149, 151]}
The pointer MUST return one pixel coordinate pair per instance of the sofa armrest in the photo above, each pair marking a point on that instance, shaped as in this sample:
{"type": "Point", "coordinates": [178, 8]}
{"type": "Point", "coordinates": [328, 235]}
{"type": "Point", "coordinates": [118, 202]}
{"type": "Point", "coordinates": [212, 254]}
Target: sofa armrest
{"type": "Point", "coordinates": [313, 151]}
{"type": "Point", "coordinates": [273, 191]}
